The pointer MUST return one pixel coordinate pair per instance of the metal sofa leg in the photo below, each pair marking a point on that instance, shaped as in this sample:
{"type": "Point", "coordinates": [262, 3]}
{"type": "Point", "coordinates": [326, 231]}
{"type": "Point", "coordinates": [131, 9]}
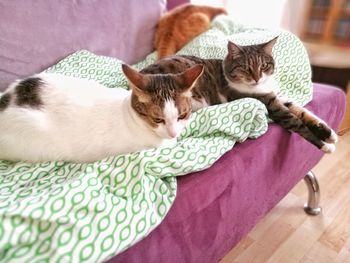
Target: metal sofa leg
{"type": "Point", "coordinates": [312, 207]}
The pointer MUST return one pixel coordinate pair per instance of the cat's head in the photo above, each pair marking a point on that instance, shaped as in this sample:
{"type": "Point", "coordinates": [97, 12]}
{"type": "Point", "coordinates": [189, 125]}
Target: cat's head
{"type": "Point", "coordinates": [163, 100]}
{"type": "Point", "coordinates": [249, 65]}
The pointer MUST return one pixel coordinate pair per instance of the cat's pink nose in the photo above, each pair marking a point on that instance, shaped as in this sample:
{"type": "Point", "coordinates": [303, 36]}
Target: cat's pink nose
{"type": "Point", "coordinates": [172, 133]}
{"type": "Point", "coordinates": [256, 78]}
{"type": "Point", "coordinates": [172, 129]}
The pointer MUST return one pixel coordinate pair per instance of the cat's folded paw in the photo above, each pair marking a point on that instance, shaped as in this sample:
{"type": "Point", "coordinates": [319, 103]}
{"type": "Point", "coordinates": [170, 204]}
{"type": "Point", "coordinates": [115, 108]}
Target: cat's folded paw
{"type": "Point", "coordinates": [333, 138]}
{"type": "Point", "coordinates": [321, 130]}
{"type": "Point", "coordinates": [328, 148]}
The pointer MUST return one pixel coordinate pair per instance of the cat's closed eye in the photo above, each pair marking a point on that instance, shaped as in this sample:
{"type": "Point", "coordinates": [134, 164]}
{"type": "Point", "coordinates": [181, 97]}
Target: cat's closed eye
{"type": "Point", "coordinates": [246, 68]}
{"type": "Point", "coordinates": [264, 66]}
{"type": "Point", "coordinates": [158, 120]}
{"type": "Point", "coordinates": [182, 116]}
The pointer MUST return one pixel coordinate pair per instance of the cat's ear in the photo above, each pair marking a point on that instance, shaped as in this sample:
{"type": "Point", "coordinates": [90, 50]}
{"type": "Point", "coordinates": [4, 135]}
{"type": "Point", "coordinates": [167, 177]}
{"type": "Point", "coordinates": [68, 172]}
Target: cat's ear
{"type": "Point", "coordinates": [134, 77]}
{"type": "Point", "coordinates": [137, 82]}
{"type": "Point", "coordinates": [233, 48]}
{"type": "Point", "coordinates": [269, 45]}
{"type": "Point", "coordinates": [189, 77]}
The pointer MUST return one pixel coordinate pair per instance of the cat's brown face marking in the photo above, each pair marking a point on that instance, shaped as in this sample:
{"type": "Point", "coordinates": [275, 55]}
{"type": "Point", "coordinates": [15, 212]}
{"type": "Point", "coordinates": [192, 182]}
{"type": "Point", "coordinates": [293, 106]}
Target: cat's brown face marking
{"type": "Point", "coordinates": [163, 100]}
{"type": "Point", "coordinates": [164, 106]}
{"type": "Point", "coordinates": [5, 101]}
{"type": "Point", "coordinates": [249, 64]}
{"type": "Point", "coordinates": [160, 91]}
{"type": "Point", "coordinates": [27, 92]}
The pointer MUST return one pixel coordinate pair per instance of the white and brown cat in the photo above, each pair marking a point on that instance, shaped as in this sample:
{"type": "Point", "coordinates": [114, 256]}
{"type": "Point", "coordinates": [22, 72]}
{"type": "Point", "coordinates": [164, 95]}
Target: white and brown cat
{"type": "Point", "coordinates": [51, 117]}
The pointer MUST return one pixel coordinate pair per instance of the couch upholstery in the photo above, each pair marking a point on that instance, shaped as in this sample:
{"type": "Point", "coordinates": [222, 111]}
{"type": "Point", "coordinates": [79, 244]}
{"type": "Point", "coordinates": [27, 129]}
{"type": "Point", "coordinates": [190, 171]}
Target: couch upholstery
{"type": "Point", "coordinates": [37, 34]}
{"type": "Point", "coordinates": [214, 208]}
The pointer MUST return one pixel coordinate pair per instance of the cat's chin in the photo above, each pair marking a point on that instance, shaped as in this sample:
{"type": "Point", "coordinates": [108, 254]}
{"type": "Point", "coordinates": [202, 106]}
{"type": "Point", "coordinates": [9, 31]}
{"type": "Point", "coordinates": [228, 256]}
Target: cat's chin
{"type": "Point", "coordinates": [166, 143]}
{"type": "Point", "coordinates": [164, 135]}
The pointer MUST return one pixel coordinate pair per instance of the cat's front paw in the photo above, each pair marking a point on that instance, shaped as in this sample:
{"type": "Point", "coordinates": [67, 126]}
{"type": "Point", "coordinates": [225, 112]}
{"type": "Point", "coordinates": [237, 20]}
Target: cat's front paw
{"type": "Point", "coordinates": [322, 131]}
{"type": "Point", "coordinates": [328, 148]}
{"type": "Point", "coordinates": [333, 138]}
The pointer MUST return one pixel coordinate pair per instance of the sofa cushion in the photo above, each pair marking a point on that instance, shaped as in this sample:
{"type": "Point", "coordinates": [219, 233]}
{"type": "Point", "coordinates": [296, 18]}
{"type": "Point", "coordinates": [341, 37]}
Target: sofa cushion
{"type": "Point", "coordinates": [37, 34]}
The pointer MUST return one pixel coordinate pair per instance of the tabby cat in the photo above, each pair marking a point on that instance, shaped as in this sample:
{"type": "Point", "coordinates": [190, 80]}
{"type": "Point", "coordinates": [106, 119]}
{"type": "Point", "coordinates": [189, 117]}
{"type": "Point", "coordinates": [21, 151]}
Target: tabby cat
{"type": "Point", "coordinates": [179, 26]}
{"type": "Point", "coordinates": [51, 117]}
{"type": "Point", "coordinates": [248, 71]}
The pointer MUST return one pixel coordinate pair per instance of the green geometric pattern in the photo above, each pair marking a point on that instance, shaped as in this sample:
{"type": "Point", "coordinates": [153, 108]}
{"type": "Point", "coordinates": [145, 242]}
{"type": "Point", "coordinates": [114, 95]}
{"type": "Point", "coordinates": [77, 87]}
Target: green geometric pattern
{"type": "Point", "coordinates": [65, 212]}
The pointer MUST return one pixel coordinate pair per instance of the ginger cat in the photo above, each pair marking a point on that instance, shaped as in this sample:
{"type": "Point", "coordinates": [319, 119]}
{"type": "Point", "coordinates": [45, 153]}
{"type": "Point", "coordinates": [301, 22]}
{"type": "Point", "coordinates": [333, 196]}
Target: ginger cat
{"type": "Point", "coordinates": [182, 24]}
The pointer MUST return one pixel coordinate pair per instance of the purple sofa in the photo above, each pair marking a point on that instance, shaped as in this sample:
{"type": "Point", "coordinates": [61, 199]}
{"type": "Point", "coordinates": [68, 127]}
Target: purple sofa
{"type": "Point", "coordinates": [215, 208]}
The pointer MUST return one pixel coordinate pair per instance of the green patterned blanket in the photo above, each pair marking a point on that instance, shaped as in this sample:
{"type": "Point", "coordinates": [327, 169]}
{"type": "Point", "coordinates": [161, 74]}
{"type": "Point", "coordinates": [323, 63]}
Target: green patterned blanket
{"type": "Point", "coordinates": [64, 212]}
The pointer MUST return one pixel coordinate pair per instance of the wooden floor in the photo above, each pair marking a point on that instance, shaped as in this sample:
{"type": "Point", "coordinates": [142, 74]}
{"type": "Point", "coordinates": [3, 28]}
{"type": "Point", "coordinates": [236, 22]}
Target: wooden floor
{"type": "Point", "coordinates": [287, 234]}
